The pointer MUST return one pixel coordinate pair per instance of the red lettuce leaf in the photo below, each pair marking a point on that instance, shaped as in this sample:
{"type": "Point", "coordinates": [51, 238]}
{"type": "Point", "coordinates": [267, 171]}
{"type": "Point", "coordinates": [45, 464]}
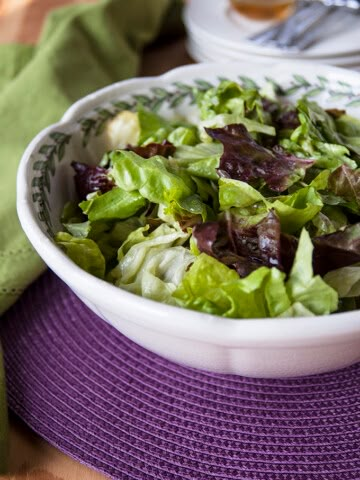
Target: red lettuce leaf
{"type": "Point", "coordinates": [345, 182]}
{"type": "Point", "coordinates": [165, 149]}
{"type": "Point", "coordinates": [283, 116]}
{"type": "Point", "coordinates": [90, 179]}
{"type": "Point", "coordinates": [287, 119]}
{"type": "Point", "coordinates": [243, 248]}
{"type": "Point", "coordinates": [244, 159]}
{"type": "Point", "coordinates": [336, 250]}
{"type": "Point", "coordinates": [332, 251]}
{"type": "Point", "coordinates": [288, 247]}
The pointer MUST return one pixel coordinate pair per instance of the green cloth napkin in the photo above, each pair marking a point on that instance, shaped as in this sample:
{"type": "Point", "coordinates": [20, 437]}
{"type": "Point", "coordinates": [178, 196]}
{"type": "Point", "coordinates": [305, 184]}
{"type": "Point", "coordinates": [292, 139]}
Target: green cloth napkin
{"type": "Point", "coordinates": [82, 48]}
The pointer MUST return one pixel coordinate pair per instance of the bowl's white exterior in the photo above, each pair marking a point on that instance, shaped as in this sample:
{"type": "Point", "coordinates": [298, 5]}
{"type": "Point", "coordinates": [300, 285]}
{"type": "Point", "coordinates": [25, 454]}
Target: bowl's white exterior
{"type": "Point", "coordinates": [281, 347]}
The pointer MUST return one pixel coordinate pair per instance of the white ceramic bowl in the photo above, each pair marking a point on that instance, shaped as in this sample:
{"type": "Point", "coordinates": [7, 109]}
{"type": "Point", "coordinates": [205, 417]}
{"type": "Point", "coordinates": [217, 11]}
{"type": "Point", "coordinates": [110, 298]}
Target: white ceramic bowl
{"type": "Point", "coordinates": [260, 348]}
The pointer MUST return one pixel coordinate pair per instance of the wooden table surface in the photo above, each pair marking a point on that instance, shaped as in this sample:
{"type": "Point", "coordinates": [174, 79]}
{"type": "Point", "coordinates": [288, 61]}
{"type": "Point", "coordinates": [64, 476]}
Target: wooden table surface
{"type": "Point", "coordinates": [31, 458]}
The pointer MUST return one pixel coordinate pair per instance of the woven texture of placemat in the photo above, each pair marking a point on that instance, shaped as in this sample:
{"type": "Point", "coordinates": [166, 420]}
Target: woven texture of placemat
{"type": "Point", "coordinates": [131, 414]}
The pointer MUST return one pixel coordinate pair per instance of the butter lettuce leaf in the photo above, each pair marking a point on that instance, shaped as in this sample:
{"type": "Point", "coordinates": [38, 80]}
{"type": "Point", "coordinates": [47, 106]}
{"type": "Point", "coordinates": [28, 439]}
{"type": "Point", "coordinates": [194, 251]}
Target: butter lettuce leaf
{"type": "Point", "coordinates": [114, 205]}
{"type": "Point", "coordinates": [153, 178]}
{"type": "Point", "coordinates": [211, 287]}
{"type": "Point", "coordinates": [230, 98]}
{"type": "Point", "coordinates": [186, 212]}
{"type": "Point", "coordinates": [201, 160]}
{"type": "Point", "coordinates": [153, 264]}
{"type": "Point", "coordinates": [297, 209]}
{"type": "Point", "coordinates": [235, 193]}
{"type": "Point", "coordinates": [153, 127]}
{"type": "Point", "coordinates": [305, 288]}
{"type": "Point", "coordinates": [297, 309]}
{"type": "Point", "coordinates": [230, 103]}
{"type": "Point", "coordinates": [184, 136]}
{"type": "Point", "coordinates": [221, 121]}
{"type": "Point", "coordinates": [294, 210]}
{"type": "Point", "coordinates": [108, 235]}
{"type": "Point", "coordinates": [346, 281]}
{"type": "Point", "coordinates": [84, 252]}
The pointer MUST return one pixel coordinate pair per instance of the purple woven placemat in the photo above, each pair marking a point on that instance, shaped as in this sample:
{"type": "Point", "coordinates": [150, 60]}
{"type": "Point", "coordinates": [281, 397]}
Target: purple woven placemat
{"type": "Point", "coordinates": [133, 415]}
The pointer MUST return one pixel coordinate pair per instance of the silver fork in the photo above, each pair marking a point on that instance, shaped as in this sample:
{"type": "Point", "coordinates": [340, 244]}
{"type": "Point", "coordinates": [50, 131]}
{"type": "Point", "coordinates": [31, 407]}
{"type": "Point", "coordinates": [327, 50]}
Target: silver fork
{"type": "Point", "coordinates": [300, 30]}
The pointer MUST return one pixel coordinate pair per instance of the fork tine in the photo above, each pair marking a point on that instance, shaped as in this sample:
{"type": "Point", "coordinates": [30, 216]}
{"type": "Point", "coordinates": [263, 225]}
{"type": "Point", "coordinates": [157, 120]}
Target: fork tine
{"type": "Point", "coordinates": [271, 32]}
{"type": "Point", "coordinates": [294, 26]}
{"type": "Point", "coordinates": [296, 39]}
{"type": "Point", "coordinates": [334, 18]}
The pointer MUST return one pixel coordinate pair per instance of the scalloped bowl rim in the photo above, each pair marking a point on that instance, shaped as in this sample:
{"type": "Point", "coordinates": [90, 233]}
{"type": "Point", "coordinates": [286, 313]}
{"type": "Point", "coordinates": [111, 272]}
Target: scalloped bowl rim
{"type": "Point", "coordinates": [277, 332]}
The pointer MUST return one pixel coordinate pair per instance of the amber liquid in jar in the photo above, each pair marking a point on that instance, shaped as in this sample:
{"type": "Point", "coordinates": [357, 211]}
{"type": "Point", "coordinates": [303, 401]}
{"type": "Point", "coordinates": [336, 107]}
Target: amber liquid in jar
{"type": "Point", "coordinates": [264, 9]}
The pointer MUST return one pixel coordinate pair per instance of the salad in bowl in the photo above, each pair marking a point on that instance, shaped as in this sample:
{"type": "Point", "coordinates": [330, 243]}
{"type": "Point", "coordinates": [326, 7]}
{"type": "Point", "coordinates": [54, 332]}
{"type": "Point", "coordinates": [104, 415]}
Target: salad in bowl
{"type": "Point", "coordinates": [252, 212]}
{"type": "Point", "coordinates": [234, 199]}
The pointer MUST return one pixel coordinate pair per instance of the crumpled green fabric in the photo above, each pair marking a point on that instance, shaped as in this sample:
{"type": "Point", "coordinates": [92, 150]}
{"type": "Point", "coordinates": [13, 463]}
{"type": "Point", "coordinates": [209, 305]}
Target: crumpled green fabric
{"type": "Point", "coordinates": [82, 48]}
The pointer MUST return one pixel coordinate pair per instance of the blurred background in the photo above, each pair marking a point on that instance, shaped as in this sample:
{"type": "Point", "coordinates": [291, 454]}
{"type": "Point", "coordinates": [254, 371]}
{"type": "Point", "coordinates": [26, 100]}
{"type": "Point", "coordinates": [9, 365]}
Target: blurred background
{"type": "Point", "coordinates": [262, 31]}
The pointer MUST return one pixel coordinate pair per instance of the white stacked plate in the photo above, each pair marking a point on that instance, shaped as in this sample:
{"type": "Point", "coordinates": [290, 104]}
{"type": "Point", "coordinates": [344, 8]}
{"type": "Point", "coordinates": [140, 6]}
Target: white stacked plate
{"type": "Point", "coordinates": [217, 32]}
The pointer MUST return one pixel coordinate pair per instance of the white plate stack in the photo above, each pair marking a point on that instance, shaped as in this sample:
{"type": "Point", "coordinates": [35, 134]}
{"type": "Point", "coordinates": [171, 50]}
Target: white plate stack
{"type": "Point", "coordinates": [218, 33]}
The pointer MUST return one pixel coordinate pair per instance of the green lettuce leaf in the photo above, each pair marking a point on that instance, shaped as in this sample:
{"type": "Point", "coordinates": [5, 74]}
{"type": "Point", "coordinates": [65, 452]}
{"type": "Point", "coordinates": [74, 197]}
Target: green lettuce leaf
{"type": "Point", "coordinates": [184, 136]}
{"type": "Point", "coordinates": [312, 292]}
{"type": "Point", "coordinates": [141, 240]}
{"type": "Point", "coordinates": [235, 193]}
{"type": "Point", "coordinates": [109, 236]}
{"type": "Point", "coordinates": [224, 119]}
{"type": "Point", "coordinates": [329, 220]}
{"type": "Point", "coordinates": [116, 204]}
{"type": "Point", "coordinates": [208, 192]}
{"type": "Point", "coordinates": [230, 103]}
{"type": "Point", "coordinates": [153, 127]}
{"type": "Point", "coordinates": [153, 264]}
{"type": "Point", "coordinates": [84, 252]}
{"type": "Point", "coordinates": [297, 209]}
{"type": "Point", "coordinates": [346, 281]}
{"type": "Point", "coordinates": [275, 293]}
{"type": "Point", "coordinates": [297, 310]}
{"type": "Point", "coordinates": [348, 129]}
{"type": "Point", "coordinates": [201, 160]}
{"type": "Point", "coordinates": [160, 274]}
{"type": "Point", "coordinates": [152, 178]}
{"type": "Point", "coordinates": [230, 98]}
{"type": "Point", "coordinates": [187, 212]}
{"type": "Point", "coordinates": [210, 286]}
{"type": "Point", "coordinates": [72, 213]}
{"type": "Point", "coordinates": [294, 210]}
{"type": "Point", "coordinates": [79, 230]}
{"type": "Point", "coordinates": [317, 137]}
{"type": "Point", "coordinates": [320, 182]}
